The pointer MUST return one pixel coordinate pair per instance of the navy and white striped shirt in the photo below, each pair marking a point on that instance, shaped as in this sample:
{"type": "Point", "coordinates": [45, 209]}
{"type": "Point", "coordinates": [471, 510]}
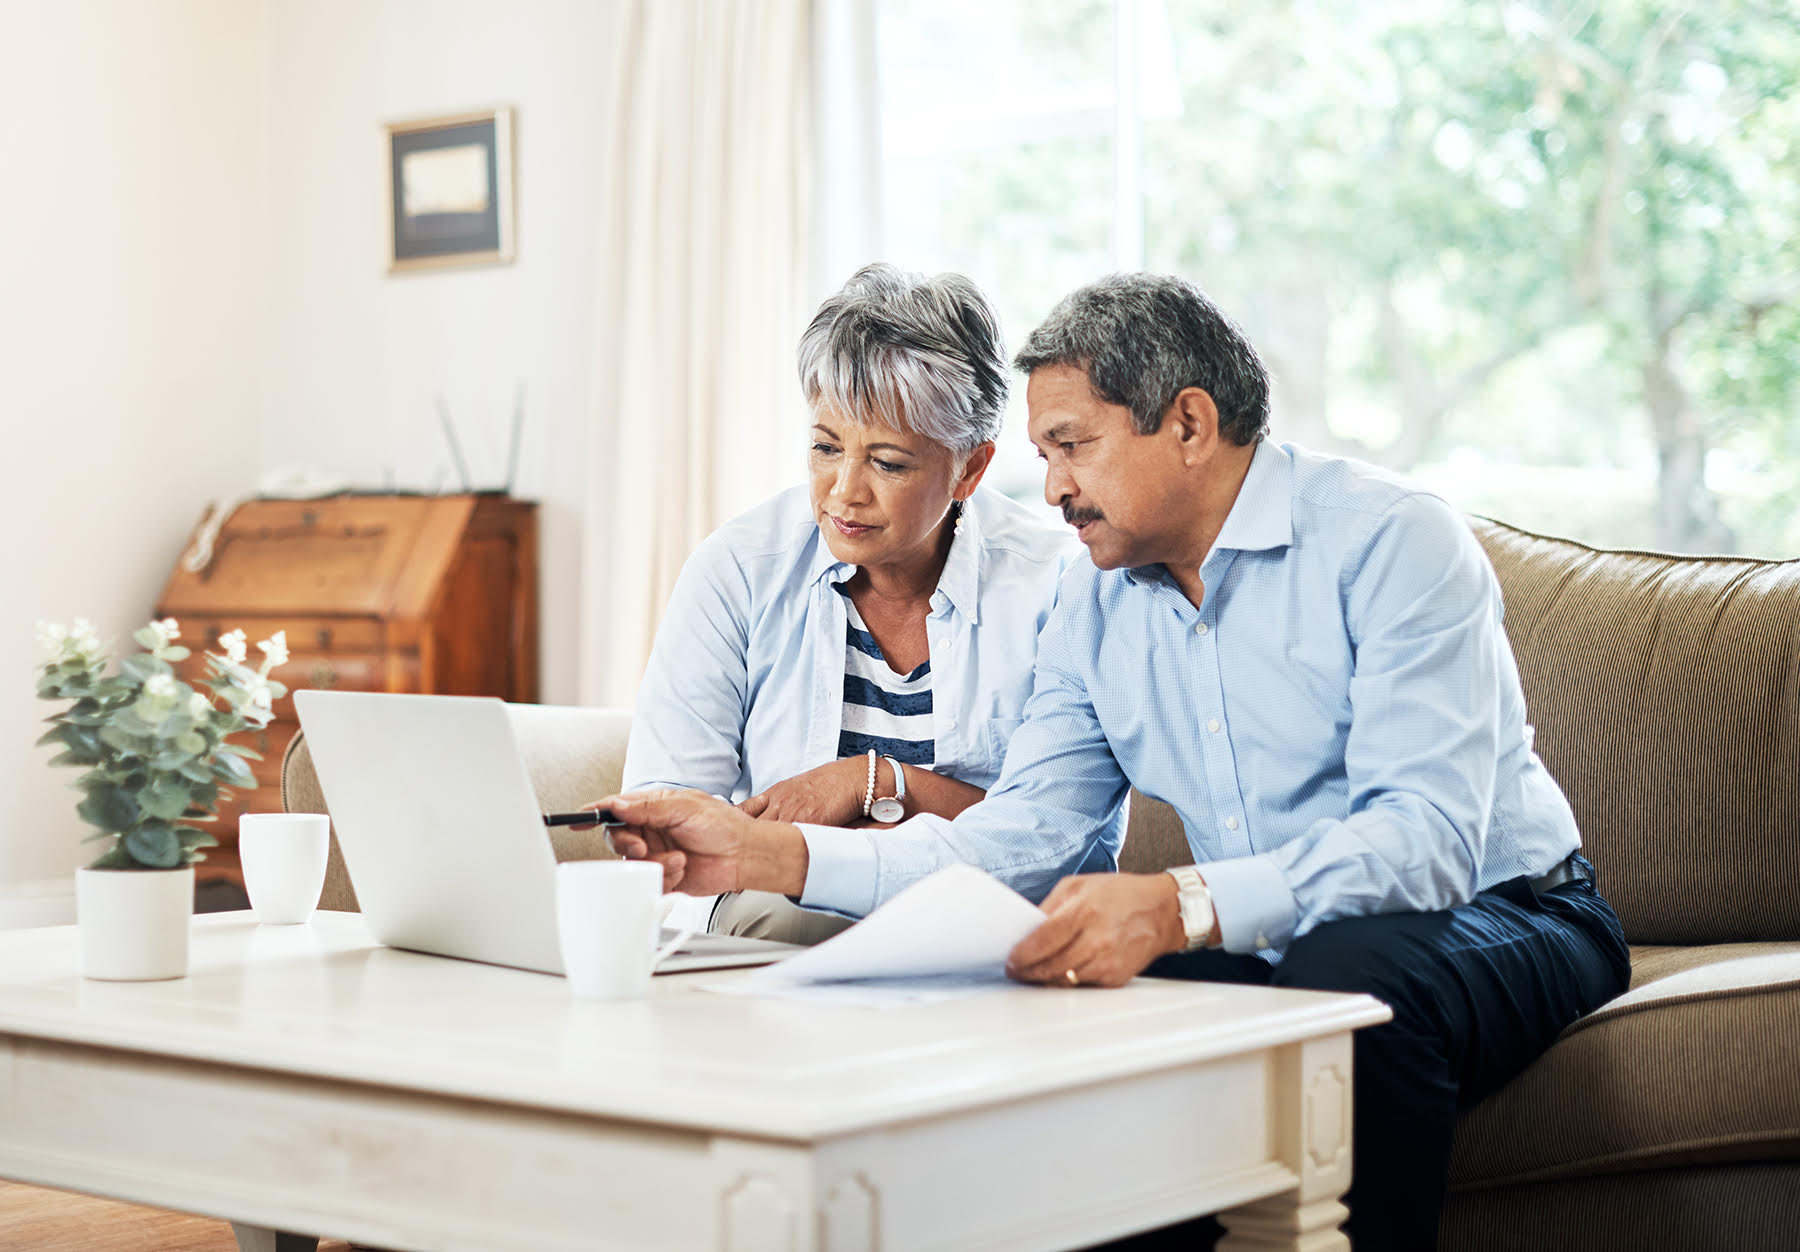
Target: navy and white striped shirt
{"type": "Point", "coordinates": [888, 712]}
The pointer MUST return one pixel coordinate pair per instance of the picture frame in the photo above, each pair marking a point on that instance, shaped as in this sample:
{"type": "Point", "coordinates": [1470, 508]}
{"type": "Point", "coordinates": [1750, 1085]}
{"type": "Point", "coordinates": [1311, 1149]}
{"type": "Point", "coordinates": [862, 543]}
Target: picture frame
{"type": "Point", "coordinates": [450, 191]}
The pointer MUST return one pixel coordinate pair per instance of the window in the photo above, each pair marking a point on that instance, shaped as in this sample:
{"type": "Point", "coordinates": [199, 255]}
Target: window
{"type": "Point", "coordinates": [1544, 257]}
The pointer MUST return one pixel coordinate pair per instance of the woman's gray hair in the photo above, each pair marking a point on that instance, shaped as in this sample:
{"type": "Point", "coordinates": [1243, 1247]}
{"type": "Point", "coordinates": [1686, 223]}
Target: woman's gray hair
{"type": "Point", "coordinates": [915, 353]}
{"type": "Point", "coordinates": [1143, 339]}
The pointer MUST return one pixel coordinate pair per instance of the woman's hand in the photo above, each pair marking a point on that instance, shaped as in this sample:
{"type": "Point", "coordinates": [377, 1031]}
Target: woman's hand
{"type": "Point", "coordinates": [830, 795]}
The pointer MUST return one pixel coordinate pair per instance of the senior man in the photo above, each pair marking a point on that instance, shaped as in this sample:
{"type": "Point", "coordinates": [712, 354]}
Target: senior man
{"type": "Point", "coordinates": [1305, 657]}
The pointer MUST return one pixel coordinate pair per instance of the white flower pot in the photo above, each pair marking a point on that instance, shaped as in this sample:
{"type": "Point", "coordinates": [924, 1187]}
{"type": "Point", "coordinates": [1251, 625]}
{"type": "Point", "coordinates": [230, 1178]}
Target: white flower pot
{"type": "Point", "coordinates": [134, 922]}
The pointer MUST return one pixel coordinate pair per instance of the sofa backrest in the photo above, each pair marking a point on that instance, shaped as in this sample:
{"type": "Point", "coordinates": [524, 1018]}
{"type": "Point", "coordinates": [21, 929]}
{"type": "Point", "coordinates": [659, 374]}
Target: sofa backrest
{"type": "Point", "coordinates": [1666, 695]}
{"type": "Point", "coordinates": [1665, 691]}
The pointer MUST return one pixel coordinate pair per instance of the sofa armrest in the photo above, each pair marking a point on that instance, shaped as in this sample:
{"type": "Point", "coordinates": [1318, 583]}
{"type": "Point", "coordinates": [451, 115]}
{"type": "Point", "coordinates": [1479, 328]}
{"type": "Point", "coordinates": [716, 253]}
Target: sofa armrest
{"type": "Point", "coordinates": [574, 756]}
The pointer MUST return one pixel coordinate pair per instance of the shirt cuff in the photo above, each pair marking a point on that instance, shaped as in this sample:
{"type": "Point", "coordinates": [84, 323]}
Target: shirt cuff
{"type": "Point", "coordinates": [840, 870]}
{"type": "Point", "coordinates": [1256, 911]}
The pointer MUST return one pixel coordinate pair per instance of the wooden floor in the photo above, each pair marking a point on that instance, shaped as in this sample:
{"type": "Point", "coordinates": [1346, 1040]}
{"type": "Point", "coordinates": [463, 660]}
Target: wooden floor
{"type": "Point", "coordinates": [36, 1219]}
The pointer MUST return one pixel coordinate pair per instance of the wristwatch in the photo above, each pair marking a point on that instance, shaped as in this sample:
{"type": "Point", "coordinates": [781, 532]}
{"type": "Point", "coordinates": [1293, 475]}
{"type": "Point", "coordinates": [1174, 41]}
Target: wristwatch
{"type": "Point", "coordinates": [1194, 900]}
{"type": "Point", "coordinates": [889, 808]}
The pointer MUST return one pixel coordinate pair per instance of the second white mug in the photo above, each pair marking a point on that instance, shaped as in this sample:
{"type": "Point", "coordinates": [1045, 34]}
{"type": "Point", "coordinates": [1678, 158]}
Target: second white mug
{"type": "Point", "coordinates": [608, 918]}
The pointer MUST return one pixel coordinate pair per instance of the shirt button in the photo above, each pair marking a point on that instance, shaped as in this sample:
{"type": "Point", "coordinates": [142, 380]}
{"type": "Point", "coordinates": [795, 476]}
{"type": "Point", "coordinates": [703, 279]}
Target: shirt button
{"type": "Point", "coordinates": [1262, 941]}
{"type": "Point", "coordinates": [1231, 823]}
{"type": "Point", "coordinates": [1200, 628]}
{"type": "Point", "coordinates": [1213, 725]}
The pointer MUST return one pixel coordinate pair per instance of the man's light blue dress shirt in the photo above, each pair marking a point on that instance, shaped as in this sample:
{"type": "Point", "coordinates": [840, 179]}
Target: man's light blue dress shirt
{"type": "Point", "coordinates": [745, 685]}
{"type": "Point", "coordinates": [1339, 724]}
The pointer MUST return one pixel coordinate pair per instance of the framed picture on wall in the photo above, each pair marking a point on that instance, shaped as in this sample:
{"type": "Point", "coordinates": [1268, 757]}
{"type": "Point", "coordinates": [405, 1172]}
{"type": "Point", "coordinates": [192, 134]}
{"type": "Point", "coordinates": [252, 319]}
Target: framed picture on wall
{"type": "Point", "coordinates": [450, 190]}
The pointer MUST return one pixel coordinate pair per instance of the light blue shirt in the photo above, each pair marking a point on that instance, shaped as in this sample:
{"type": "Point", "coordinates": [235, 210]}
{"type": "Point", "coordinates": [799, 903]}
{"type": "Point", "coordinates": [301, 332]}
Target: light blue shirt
{"type": "Point", "coordinates": [1339, 724]}
{"type": "Point", "coordinates": [745, 685]}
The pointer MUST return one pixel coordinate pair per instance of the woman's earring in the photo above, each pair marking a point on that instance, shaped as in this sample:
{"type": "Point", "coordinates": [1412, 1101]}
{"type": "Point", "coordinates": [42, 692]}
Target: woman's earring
{"type": "Point", "coordinates": [957, 528]}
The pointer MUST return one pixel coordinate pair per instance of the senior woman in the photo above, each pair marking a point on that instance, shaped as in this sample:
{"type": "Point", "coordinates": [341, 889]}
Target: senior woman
{"type": "Point", "coordinates": [860, 649]}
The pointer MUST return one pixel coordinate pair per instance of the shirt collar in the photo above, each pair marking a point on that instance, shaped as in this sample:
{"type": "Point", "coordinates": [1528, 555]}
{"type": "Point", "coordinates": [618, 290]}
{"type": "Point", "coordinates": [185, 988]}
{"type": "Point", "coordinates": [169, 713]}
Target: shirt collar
{"type": "Point", "coordinates": [1261, 517]}
{"type": "Point", "coordinates": [960, 581]}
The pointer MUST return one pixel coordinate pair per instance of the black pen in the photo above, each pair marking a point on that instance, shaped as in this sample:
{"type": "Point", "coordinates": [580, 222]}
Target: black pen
{"type": "Point", "coordinates": [587, 817]}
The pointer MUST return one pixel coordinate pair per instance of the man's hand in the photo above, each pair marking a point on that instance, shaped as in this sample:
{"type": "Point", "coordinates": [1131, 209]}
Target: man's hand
{"type": "Point", "coordinates": [705, 845]}
{"type": "Point", "coordinates": [1104, 927]}
{"type": "Point", "coordinates": [829, 795]}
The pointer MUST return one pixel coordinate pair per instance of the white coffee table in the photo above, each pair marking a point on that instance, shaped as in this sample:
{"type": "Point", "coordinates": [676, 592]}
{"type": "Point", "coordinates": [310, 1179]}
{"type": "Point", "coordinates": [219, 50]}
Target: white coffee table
{"type": "Point", "coordinates": [306, 1079]}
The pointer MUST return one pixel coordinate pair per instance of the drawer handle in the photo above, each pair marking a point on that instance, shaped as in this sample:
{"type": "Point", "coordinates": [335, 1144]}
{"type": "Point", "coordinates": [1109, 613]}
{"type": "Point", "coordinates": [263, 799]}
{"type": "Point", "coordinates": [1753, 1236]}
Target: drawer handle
{"type": "Point", "coordinates": [324, 636]}
{"type": "Point", "coordinates": [324, 677]}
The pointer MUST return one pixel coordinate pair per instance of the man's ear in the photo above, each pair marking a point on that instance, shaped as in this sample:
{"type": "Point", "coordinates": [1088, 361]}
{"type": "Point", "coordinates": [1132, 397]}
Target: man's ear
{"type": "Point", "coordinates": [979, 459]}
{"type": "Point", "coordinates": [1196, 420]}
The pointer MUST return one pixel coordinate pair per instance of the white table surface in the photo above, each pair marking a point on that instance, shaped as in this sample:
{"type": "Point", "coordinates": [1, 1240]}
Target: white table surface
{"type": "Point", "coordinates": [323, 1002]}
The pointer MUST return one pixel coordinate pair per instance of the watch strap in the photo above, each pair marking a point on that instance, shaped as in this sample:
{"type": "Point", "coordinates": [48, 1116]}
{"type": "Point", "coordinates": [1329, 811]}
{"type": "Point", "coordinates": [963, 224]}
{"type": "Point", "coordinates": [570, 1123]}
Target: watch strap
{"type": "Point", "coordinates": [1194, 899]}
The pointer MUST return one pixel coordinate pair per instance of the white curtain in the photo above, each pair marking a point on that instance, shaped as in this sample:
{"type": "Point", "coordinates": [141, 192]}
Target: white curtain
{"type": "Point", "coordinates": [704, 291]}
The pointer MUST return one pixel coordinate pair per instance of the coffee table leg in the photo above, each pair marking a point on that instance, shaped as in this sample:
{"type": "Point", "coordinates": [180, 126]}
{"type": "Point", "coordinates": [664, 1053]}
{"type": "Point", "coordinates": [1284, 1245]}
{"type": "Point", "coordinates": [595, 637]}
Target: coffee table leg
{"type": "Point", "coordinates": [261, 1239]}
{"type": "Point", "coordinates": [1311, 1123]}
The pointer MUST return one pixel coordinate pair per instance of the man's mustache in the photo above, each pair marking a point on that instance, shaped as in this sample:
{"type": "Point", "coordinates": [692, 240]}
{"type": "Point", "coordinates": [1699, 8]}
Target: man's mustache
{"type": "Point", "coordinates": [1078, 517]}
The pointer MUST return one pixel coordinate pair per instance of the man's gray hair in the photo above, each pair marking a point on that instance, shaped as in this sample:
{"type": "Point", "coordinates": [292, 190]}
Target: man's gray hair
{"type": "Point", "coordinates": [1144, 338]}
{"type": "Point", "coordinates": [915, 353]}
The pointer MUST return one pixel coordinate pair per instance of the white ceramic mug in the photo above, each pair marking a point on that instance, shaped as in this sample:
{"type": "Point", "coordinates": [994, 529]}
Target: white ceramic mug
{"type": "Point", "coordinates": [283, 855]}
{"type": "Point", "coordinates": [608, 919]}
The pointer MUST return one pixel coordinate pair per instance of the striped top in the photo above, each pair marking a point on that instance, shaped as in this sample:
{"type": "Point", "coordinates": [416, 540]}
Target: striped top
{"type": "Point", "coordinates": [888, 712]}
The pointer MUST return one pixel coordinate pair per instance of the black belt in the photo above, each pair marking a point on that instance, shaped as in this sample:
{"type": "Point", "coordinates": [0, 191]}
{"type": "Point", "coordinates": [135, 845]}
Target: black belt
{"type": "Point", "coordinates": [1568, 870]}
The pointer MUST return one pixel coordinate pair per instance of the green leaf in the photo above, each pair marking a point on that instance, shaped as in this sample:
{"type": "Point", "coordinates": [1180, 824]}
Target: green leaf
{"type": "Point", "coordinates": [195, 771]}
{"type": "Point", "coordinates": [154, 845]}
{"type": "Point", "coordinates": [146, 638]}
{"type": "Point", "coordinates": [56, 734]}
{"type": "Point", "coordinates": [194, 838]}
{"type": "Point", "coordinates": [192, 743]}
{"type": "Point", "coordinates": [115, 857]}
{"type": "Point", "coordinates": [108, 808]}
{"type": "Point", "coordinates": [233, 771]}
{"type": "Point", "coordinates": [141, 666]}
{"type": "Point", "coordinates": [167, 799]}
{"type": "Point", "coordinates": [87, 712]}
{"type": "Point", "coordinates": [238, 749]}
{"type": "Point", "coordinates": [124, 741]}
{"type": "Point", "coordinates": [175, 652]}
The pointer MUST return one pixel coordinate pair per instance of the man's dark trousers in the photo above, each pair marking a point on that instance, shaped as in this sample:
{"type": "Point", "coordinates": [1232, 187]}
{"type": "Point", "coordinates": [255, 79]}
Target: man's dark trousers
{"type": "Point", "coordinates": [1478, 993]}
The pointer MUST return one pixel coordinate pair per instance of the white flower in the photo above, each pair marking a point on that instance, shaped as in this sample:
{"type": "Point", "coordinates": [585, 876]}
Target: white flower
{"type": "Point", "coordinates": [166, 631]}
{"type": "Point", "coordinates": [51, 637]}
{"type": "Point", "coordinates": [233, 644]}
{"type": "Point", "coordinates": [262, 698]}
{"type": "Point", "coordinates": [274, 650]}
{"type": "Point", "coordinates": [199, 707]}
{"type": "Point", "coordinates": [160, 687]}
{"type": "Point", "coordinates": [84, 641]}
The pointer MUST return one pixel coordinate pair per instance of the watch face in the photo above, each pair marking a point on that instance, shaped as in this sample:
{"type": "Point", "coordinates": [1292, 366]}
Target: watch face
{"type": "Point", "coordinates": [887, 809]}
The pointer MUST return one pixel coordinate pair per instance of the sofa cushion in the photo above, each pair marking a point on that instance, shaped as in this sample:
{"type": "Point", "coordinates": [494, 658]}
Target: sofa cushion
{"type": "Point", "coordinates": [1666, 695]}
{"type": "Point", "coordinates": [1694, 1066]}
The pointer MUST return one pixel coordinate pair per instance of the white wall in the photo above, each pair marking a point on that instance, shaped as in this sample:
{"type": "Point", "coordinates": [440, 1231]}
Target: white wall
{"type": "Point", "coordinates": [359, 356]}
{"type": "Point", "coordinates": [133, 246]}
{"type": "Point", "coordinates": [193, 290]}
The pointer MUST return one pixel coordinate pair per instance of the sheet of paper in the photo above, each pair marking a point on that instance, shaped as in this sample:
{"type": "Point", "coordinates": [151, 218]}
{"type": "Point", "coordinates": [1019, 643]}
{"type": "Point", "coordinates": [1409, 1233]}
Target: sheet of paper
{"type": "Point", "coordinates": [956, 922]}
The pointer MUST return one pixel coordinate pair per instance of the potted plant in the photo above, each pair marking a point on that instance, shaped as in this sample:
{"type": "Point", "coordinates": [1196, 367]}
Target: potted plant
{"type": "Point", "coordinates": [158, 756]}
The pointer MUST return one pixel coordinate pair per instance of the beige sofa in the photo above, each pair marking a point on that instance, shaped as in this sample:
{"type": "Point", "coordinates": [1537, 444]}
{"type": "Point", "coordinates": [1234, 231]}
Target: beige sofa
{"type": "Point", "coordinates": [1666, 696]}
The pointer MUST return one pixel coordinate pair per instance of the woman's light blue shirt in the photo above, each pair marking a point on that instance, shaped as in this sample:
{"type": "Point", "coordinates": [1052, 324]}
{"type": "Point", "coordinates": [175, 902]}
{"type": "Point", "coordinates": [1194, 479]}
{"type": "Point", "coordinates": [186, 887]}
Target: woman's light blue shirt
{"type": "Point", "coordinates": [745, 685]}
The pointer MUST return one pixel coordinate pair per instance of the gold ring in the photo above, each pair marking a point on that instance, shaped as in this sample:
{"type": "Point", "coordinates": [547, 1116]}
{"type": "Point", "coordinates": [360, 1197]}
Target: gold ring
{"type": "Point", "coordinates": [1072, 978]}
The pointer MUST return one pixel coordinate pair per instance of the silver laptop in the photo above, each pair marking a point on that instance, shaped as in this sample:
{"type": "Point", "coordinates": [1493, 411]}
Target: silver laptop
{"type": "Point", "coordinates": [442, 834]}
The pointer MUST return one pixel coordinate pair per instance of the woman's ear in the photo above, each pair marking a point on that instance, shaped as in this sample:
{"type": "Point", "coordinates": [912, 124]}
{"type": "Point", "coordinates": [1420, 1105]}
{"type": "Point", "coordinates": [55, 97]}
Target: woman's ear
{"type": "Point", "coordinates": [980, 457]}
